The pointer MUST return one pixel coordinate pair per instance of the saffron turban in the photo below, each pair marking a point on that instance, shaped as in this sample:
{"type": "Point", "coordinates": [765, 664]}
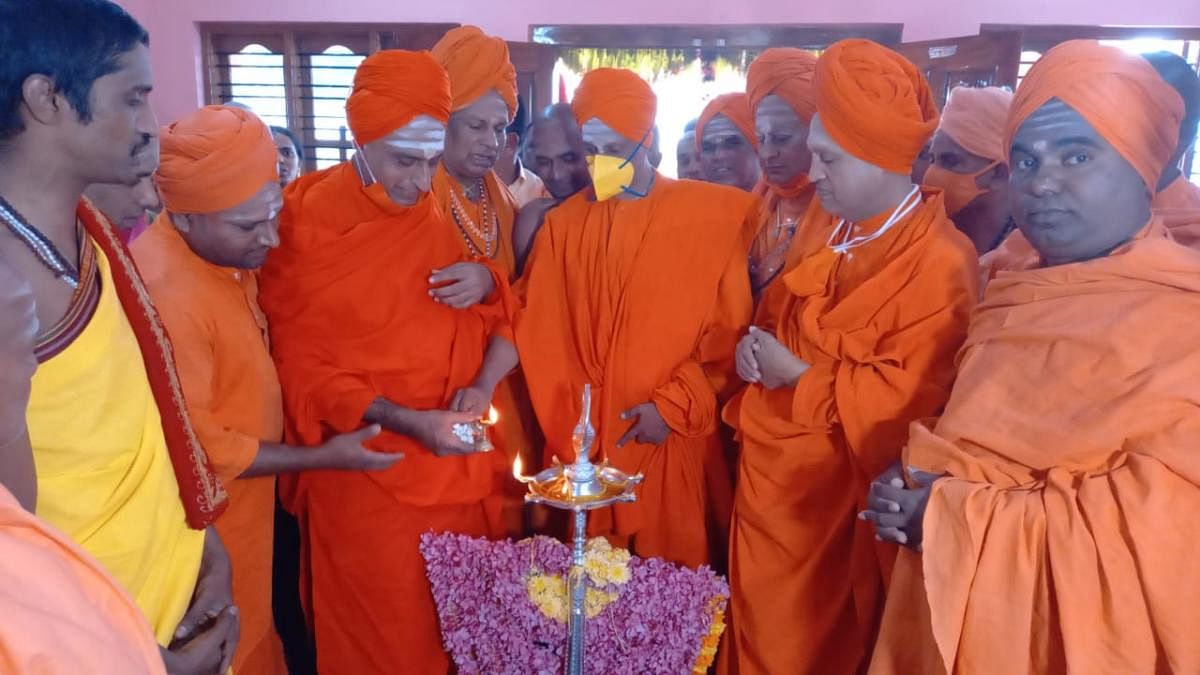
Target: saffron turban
{"type": "Point", "coordinates": [787, 73]}
{"type": "Point", "coordinates": [620, 99]}
{"type": "Point", "coordinates": [214, 159]}
{"type": "Point", "coordinates": [875, 104]}
{"type": "Point", "coordinates": [734, 106]}
{"type": "Point", "coordinates": [477, 63]}
{"type": "Point", "coordinates": [1119, 94]}
{"type": "Point", "coordinates": [975, 119]}
{"type": "Point", "coordinates": [392, 87]}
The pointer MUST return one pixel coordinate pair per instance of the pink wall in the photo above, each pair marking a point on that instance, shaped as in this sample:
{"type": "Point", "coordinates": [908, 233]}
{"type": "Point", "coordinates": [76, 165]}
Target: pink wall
{"type": "Point", "coordinates": [175, 43]}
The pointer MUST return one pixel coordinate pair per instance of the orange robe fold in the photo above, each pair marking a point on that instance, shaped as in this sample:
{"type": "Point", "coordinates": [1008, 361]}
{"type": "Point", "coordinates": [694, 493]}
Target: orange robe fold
{"type": "Point", "coordinates": [879, 327]}
{"type": "Point", "coordinates": [517, 432]}
{"type": "Point", "coordinates": [1179, 205]}
{"type": "Point", "coordinates": [645, 300]}
{"type": "Point", "coordinates": [232, 395]}
{"type": "Point", "coordinates": [63, 614]}
{"type": "Point", "coordinates": [351, 320]}
{"type": "Point", "coordinates": [1060, 539]}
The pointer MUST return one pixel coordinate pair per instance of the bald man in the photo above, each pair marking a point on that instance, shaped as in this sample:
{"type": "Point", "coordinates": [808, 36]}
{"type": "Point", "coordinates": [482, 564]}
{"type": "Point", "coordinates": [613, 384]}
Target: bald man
{"type": "Point", "coordinates": [524, 184]}
{"type": "Point", "coordinates": [687, 155]}
{"type": "Point", "coordinates": [557, 154]}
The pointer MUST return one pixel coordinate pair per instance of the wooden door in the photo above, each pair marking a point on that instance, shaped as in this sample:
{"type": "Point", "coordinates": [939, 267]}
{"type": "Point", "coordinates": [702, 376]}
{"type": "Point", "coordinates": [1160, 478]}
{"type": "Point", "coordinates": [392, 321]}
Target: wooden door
{"type": "Point", "coordinates": [534, 64]}
{"type": "Point", "coordinates": [989, 60]}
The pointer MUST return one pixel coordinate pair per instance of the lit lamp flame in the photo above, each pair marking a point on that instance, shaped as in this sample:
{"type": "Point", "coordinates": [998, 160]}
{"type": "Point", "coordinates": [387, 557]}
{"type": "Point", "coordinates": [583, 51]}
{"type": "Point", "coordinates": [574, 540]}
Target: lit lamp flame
{"type": "Point", "coordinates": [492, 418]}
{"type": "Point", "coordinates": [518, 467]}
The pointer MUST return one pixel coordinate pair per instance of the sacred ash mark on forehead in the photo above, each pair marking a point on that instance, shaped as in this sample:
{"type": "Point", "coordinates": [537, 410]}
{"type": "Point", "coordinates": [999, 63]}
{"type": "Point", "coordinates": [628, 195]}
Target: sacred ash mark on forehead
{"type": "Point", "coordinates": [423, 136]}
{"type": "Point", "coordinates": [720, 128]}
{"type": "Point", "coordinates": [599, 134]}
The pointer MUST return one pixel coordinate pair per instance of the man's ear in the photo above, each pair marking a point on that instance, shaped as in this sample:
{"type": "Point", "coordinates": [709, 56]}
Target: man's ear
{"type": "Point", "coordinates": [41, 98]}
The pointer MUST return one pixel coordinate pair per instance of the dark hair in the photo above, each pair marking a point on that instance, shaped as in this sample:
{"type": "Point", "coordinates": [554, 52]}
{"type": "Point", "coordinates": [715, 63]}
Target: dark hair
{"type": "Point", "coordinates": [690, 127]}
{"type": "Point", "coordinates": [75, 42]}
{"type": "Point", "coordinates": [291, 137]}
{"type": "Point", "coordinates": [1180, 75]}
{"type": "Point", "coordinates": [520, 123]}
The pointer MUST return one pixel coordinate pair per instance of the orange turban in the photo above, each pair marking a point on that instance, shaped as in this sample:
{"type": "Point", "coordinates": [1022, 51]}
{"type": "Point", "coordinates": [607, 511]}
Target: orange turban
{"type": "Point", "coordinates": [736, 107]}
{"type": "Point", "coordinates": [392, 87]}
{"type": "Point", "coordinates": [214, 159]}
{"type": "Point", "coordinates": [477, 64]}
{"type": "Point", "coordinates": [787, 73]}
{"type": "Point", "coordinates": [975, 117]}
{"type": "Point", "coordinates": [875, 104]}
{"type": "Point", "coordinates": [620, 99]}
{"type": "Point", "coordinates": [1121, 95]}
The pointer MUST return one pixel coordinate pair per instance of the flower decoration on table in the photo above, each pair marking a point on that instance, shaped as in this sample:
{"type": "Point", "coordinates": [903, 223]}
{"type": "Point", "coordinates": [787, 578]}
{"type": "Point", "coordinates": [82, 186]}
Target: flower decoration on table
{"type": "Point", "coordinates": [503, 607]}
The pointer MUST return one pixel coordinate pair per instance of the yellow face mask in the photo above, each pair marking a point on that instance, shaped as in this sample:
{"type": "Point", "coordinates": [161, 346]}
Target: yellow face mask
{"type": "Point", "coordinates": [611, 175]}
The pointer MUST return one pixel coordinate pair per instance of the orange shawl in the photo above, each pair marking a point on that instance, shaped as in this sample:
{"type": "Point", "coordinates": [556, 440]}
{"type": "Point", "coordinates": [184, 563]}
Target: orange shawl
{"type": "Point", "coordinates": [1055, 544]}
{"type": "Point", "coordinates": [343, 292]}
{"type": "Point", "coordinates": [879, 330]}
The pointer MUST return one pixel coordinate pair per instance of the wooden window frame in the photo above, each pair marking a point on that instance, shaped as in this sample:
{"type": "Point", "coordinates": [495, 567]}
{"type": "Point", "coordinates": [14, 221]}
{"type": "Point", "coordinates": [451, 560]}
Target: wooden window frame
{"type": "Point", "coordinates": [297, 42]}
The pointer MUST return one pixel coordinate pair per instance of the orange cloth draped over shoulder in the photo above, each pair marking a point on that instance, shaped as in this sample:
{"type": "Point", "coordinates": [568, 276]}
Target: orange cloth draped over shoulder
{"type": "Point", "coordinates": [1055, 542]}
{"type": "Point", "coordinates": [63, 614]}
{"type": "Point", "coordinates": [343, 292]}
{"type": "Point", "coordinates": [879, 327]}
{"type": "Point", "coordinates": [603, 307]}
{"type": "Point", "coordinates": [736, 108]}
{"type": "Point", "coordinates": [787, 73]}
{"type": "Point", "coordinates": [1125, 101]}
{"type": "Point", "coordinates": [212, 160]}
{"type": "Point", "coordinates": [477, 64]}
{"type": "Point", "coordinates": [1054, 538]}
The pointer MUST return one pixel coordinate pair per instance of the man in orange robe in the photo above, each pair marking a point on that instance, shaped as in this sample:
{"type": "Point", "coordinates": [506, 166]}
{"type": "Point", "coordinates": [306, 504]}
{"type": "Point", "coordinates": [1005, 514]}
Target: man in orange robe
{"type": "Point", "coordinates": [865, 344]}
{"type": "Point", "coordinates": [1177, 199]}
{"type": "Point", "coordinates": [1051, 522]}
{"type": "Point", "coordinates": [358, 340]}
{"type": "Point", "coordinates": [969, 164]}
{"type": "Point", "coordinates": [482, 213]}
{"type": "Point", "coordinates": [479, 208]}
{"type": "Point", "coordinates": [779, 86]}
{"type": "Point", "coordinates": [727, 142]}
{"type": "Point", "coordinates": [638, 287]}
{"type": "Point", "coordinates": [220, 184]}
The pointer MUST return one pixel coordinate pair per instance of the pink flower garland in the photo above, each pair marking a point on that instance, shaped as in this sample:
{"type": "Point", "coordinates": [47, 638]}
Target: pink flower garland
{"type": "Point", "coordinates": [489, 625]}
